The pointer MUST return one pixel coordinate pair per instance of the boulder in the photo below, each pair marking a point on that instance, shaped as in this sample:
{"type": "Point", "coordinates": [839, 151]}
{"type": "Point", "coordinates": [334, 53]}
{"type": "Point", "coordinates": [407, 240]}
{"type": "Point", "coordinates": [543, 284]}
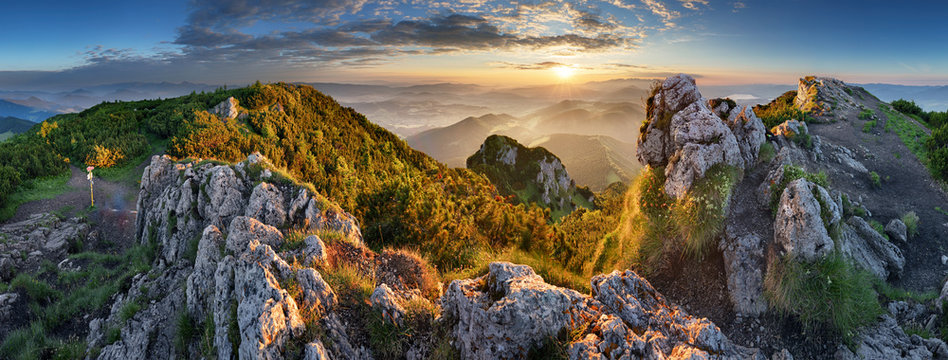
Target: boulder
{"type": "Point", "coordinates": [314, 252]}
{"type": "Point", "coordinates": [743, 263]}
{"type": "Point", "coordinates": [200, 295]}
{"type": "Point", "coordinates": [870, 250]}
{"type": "Point", "coordinates": [244, 230]}
{"type": "Point", "coordinates": [384, 300]}
{"type": "Point", "coordinates": [799, 228]}
{"type": "Point", "coordinates": [315, 293]}
{"type": "Point", "coordinates": [224, 196]}
{"type": "Point", "coordinates": [267, 315]}
{"type": "Point", "coordinates": [683, 134]}
{"type": "Point", "coordinates": [508, 311]}
{"type": "Point", "coordinates": [897, 231]}
{"type": "Point", "coordinates": [226, 110]}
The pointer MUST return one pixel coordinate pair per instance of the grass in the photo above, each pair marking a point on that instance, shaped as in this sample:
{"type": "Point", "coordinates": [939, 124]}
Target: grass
{"type": "Point", "coordinates": [185, 334]}
{"type": "Point", "coordinates": [910, 219]}
{"type": "Point", "coordinates": [940, 210]}
{"type": "Point", "coordinates": [878, 227]}
{"type": "Point", "coordinates": [830, 293]}
{"type": "Point", "coordinates": [700, 214]}
{"type": "Point", "coordinates": [892, 293]}
{"type": "Point", "coordinates": [875, 179]}
{"type": "Point", "coordinates": [791, 173]}
{"type": "Point", "coordinates": [34, 190]}
{"type": "Point", "coordinates": [866, 114]}
{"type": "Point", "coordinates": [69, 294]}
{"type": "Point", "coordinates": [766, 153]}
{"type": "Point", "coordinates": [911, 134]}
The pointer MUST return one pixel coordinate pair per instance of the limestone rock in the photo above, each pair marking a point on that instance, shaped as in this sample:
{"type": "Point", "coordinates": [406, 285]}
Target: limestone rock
{"type": "Point", "coordinates": [517, 312]}
{"type": "Point", "coordinates": [385, 301]}
{"type": "Point", "coordinates": [226, 110]}
{"type": "Point", "coordinates": [244, 230]}
{"type": "Point", "coordinates": [316, 351]}
{"type": "Point", "coordinates": [798, 228]}
{"type": "Point", "coordinates": [897, 230]}
{"type": "Point", "coordinates": [6, 304]}
{"type": "Point", "coordinates": [199, 293]}
{"type": "Point", "coordinates": [743, 262]}
{"type": "Point", "coordinates": [684, 135]}
{"type": "Point", "coordinates": [870, 249]}
{"type": "Point", "coordinates": [266, 205]}
{"type": "Point", "coordinates": [314, 251]}
{"type": "Point", "coordinates": [886, 340]}
{"type": "Point", "coordinates": [224, 198]}
{"type": "Point", "coordinates": [314, 291]}
{"type": "Point", "coordinates": [266, 314]}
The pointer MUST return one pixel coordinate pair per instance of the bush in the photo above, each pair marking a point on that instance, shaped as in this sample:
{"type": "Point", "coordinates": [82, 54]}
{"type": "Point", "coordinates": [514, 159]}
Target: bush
{"type": "Point", "coordinates": [875, 179]}
{"type": "Point", "coordinates": [910, 219]}
{"type": "Point", "coordinates": [779, 110]}
{"type": "Point", "coordinates": [830, 292]}
{"type": "Point", "coordinates": [766, 153]}
{"type": "Point", "coordinates": [103, 157]}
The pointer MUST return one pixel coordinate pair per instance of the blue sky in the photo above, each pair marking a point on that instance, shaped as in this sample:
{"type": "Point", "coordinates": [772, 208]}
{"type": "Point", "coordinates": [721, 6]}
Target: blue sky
{"type": "Point", "coordinates": [70, 44]}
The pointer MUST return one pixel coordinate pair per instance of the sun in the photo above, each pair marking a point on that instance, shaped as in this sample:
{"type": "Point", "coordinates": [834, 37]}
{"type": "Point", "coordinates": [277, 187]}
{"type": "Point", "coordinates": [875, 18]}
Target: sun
{"type": "Point", "coordinates": [564, 72]}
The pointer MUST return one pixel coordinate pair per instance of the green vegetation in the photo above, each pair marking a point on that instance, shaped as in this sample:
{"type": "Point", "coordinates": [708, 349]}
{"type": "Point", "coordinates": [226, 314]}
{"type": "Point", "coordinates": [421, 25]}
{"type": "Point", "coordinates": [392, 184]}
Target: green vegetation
{"type": "Point", "coordinates": [31, 190]}
{"type": "Point", "coordinates": [866, 114]}
{"type": "Point", "coordinates": [67, 294]}
{"type": "Point", "coordinates": [766, 153]}
{"type": "Point", "coordinates": [910, 219]}
{"type": "Point", "coordinates": [932, 119]}
{"type": "Point", "coordinates": [875, 180]}
{"type": "Point", "coordinates": [791, 173]}
{"type": "Point", "coordinates": [829, 293]}
{"type": "Point", "coordinates": [701, 213]}
{"type": "Point", "coordinates": [937, 148]}
{"type": "Point", "coordinates": [878, 227]}
{"type": "Point", "coordinates": [779, 110]}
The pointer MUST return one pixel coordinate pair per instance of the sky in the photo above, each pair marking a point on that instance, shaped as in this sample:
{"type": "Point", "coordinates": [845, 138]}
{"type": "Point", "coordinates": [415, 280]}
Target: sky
{"type": "Point", "coordinates": [69, 44]}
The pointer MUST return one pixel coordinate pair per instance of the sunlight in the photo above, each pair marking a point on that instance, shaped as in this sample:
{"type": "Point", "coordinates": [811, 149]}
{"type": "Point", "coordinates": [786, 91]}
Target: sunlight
{"type": "Point", "coordinates": [564, 72]}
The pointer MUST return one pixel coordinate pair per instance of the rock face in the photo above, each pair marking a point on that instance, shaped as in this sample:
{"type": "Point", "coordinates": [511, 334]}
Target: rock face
{"type": "Point", "coordinates": [683, 134]}
{"type": "Point", "coordinates": [744, 261]}
{"type": "Point", "coordinates": [821, 96]}
{"type": "Point", "coordinates": [224, 271]}
{"type": "Point", "coordinates": [532, 174]}
{"type": "Point", "coordinates": [799, 228]}
{"type": "Point", "coordinates": [226, 110]}
{"type": "Point", "coordinates": [510, 310]}
{"type": "Point", "coordinates": [897, 230]}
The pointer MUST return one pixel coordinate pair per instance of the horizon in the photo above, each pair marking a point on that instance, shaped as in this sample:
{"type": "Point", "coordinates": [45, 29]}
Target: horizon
{"type": "Point", "coordinates": [480, 42]}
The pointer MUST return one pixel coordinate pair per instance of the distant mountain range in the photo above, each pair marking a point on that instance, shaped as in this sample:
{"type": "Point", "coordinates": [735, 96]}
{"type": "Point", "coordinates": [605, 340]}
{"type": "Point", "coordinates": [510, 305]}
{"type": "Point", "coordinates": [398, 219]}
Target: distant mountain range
{"type": "Point", "coordinates": [25, 112]}
{"type": "Point", "coordinates": [930, 98]}
{"type": "Point", "coordinates": [10, 126]}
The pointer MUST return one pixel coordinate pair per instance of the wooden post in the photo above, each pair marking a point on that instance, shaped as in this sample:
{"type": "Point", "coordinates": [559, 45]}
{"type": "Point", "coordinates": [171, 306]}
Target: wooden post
{"type": "Point", "coordinates": [91, 194]}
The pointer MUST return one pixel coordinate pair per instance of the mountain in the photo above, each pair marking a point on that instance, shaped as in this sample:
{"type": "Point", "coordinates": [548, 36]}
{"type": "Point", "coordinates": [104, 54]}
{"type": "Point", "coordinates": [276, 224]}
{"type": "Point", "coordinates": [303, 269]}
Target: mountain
{"type": "Point", "coordinates": [531, 175]}
{"type": "Point", "coordinates": [930, 98]}
{"type": "Point", "coordinates": [10, 126]}
{"type": "Point", "coordinates": [619, 120]}
{"type": "Point", "coordinates": [9, 108]}
{"type": "Point", "coordinates": [593, 160]}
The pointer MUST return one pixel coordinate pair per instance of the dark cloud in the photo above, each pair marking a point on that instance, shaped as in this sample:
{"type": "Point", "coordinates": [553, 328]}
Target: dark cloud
{"type": "Point", "coordinates": [237, 13]}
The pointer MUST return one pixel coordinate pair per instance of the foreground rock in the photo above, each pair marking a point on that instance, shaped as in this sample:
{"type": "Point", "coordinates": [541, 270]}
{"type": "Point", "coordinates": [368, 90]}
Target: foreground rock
{"type": "Point", "coordinates": [511, 310]}
{"type": "Point", "coordinates": [886, 340]}
{"type": "Point", "coordinates": [25, 244]}
{"type": "Point", "coordinates": [688, 138]}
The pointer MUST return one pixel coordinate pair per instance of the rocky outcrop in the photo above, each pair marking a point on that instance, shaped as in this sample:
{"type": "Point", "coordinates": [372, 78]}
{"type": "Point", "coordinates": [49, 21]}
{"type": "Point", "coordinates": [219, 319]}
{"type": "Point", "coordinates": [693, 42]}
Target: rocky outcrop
{"type": "Point", "coordinates": [226, 110]}
{"type": "Point", "coordinates": [510, 310]}
{"type": "Point", "coordinates": [531, 174]}
{"type": "Point", "coordinates": [886, 340]}
{"type": "Point", "coordinates": [822, 96]}
{"type": "Point", "coordinates": [799, 228]}
{"type": "Point", "coordinates": [685, 136]}
{"type": "Point", "coordinates": [25, 244]}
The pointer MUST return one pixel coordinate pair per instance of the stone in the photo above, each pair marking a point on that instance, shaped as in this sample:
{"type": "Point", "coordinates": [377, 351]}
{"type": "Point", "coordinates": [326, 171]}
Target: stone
{"type": "Point", "coordinates": [686, 137]}
{"type": "Point", "coordinates": [226, 109]}
{"type": "Point", "coordinates": [790, 129]}
{"type": "Point", "coordinates": [314, 252]}
{"type": "Point", "coordinates": [224, 196]}
{"type": "Point", "coordinates": [743, 263]}
{"type": "Point", "coordinates": [200, 295]}
{"type": "Point", "coordinates": [6, 304]}
{"type": "Point", "coordinates": [266, 205]}
{"type": "Point", "coordinates": [316, 351]}
{"type": "Point", "coordinates": [870, 250]}
{"type": "Point", "coordinates": [244, 230]}
{"type": "Point", "coordinates": [384, 300]}
{"type": "Point", "coordinates": [799, 228]}
{"type": "Point", "coordinates": [315, 293]}
{"type": "Point", "coordinates": [267, 315]}
{"type": "Point", "coordinates": [897, 230]}
{"type": "Point", "coordinates": [886, 340]}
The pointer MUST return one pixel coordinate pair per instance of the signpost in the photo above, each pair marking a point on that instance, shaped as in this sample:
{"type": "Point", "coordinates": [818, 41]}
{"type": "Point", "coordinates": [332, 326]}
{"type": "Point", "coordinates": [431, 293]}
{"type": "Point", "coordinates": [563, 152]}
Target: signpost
{"type": "Point", "coordinates": [89, 177]}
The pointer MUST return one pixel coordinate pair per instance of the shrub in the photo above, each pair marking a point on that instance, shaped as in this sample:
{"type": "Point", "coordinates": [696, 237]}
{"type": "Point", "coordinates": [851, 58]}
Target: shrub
{"type": "Point", "coordinates": [36, 289]}
{"type": "Point", "coordinates": [878, 227]}
{"type": "Point", "coordinates": [866, 114]}
{"type": "Point", "coordinates": [910, 219]}
{"type": "Point", "coordinates": [779, 110]}
{"type": "Point", "coordinates": [830, 292]}
{"type": "Point", "coordinates": [103, 157]}
{"type": "Point", "coordinates": [875, 179]}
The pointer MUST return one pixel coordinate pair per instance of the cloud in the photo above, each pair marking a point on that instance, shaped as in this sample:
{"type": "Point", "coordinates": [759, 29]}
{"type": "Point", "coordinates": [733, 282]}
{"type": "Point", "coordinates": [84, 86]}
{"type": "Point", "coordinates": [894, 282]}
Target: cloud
{"type": "Point", "coordinates": [545, 65]}
{"type": "Point", "coordinates": [738, 5]}
{"type": "Point", "coordinates": [692, 4]}
{"type": "Point", "coordinates": [235, 13]}
{"type": "Point", "coordinates": [658, 8]}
